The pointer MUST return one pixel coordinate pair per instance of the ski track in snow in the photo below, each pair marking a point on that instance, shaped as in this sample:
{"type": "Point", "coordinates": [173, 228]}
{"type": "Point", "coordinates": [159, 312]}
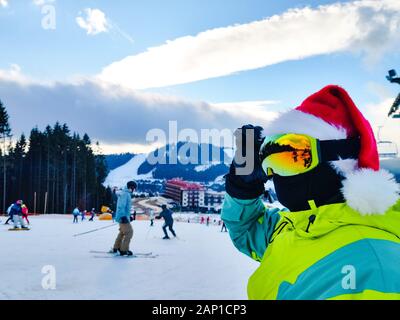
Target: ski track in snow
{"type": "Point", "coordinates": [203, 266]}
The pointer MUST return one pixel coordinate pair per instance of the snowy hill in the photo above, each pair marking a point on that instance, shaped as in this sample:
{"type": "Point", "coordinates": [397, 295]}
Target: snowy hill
{"type": "Point", "coordinates": [191, 164]}
{"type": "Point", "coordinates": [202, 265]}
{"type": "Point", "coordinates": [116, 160]}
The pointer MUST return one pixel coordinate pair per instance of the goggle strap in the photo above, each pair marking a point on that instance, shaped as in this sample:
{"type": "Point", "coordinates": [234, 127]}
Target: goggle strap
{"type": "Point", "coordinates": [333, 150]}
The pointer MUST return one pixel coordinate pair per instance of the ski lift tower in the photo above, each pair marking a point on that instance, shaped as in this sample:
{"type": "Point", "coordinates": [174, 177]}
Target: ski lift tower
{"type": "Point", "coordinates": [393, 78]}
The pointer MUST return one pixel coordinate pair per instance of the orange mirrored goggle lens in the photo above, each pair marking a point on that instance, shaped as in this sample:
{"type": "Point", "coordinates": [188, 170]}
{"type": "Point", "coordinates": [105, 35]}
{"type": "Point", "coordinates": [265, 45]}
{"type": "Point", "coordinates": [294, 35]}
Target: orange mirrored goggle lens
{"type": "Point", "coordinates": [289, 154]}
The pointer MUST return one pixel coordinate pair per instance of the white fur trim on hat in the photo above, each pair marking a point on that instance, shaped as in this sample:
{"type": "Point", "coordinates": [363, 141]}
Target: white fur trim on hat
{"type": "Point", "coordinates": [370, 192]}
{"type": "Point", "coordinates": [295, 121]}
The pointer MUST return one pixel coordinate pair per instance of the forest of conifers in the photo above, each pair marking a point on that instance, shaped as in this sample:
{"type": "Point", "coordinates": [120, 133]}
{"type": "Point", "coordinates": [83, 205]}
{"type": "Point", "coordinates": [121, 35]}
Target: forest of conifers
{"type": "Point", "coordinates": [52, 171]}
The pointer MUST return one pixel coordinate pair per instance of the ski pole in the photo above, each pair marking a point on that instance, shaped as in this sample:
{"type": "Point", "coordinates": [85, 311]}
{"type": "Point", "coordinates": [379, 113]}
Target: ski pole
{"type": "Point", "coordinates": [80, 234]}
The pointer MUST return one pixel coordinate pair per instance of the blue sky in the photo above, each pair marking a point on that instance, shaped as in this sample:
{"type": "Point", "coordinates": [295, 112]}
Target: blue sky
{"type": "Point", "coordinates": [211, 52]}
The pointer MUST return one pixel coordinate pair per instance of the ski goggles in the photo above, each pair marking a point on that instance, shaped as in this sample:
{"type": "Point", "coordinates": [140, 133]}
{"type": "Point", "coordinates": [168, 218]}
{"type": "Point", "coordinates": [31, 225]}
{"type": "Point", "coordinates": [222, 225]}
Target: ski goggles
{"type": "Point", "coordinates": [292, 154]}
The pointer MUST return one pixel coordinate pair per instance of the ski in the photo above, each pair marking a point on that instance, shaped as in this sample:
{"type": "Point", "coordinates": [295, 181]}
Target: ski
{"type": "Point", "coordinates": [135, 256]}
{"type": "Point", "coordinates": [112, 253]}
{"type": "Point", "coordinates": [18, 229]}
{"type": "Point", "coordinates": [171, 238]}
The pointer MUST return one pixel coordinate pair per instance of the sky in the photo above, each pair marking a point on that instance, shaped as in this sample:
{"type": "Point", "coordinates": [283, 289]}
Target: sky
{"type": "Point", "coordinates": [118, 69]}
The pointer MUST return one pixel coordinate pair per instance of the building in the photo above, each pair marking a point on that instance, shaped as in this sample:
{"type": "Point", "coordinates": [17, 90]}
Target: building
{"type": "Point", "coordinates": [189, 195]}
{"type": "Point", "coordinates": [213, 200]}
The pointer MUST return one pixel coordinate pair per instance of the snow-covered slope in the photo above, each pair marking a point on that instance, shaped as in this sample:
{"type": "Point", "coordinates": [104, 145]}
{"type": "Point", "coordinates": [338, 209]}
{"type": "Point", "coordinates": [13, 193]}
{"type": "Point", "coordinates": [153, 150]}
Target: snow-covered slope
{"type": "Point", "coordinates": [129, 171]}
{"type": "Point", "coordinates": [202, 265]}
{"type": "Point", "coordinates": [189, 166]}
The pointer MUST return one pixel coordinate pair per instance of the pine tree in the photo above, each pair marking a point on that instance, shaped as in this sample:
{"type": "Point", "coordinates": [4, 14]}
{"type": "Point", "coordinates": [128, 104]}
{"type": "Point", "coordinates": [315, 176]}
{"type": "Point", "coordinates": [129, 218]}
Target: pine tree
{"type": "Point", "coordinates": [5, 132]}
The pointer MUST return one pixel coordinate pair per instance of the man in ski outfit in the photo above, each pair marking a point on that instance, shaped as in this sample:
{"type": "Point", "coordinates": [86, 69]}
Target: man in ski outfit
{"type": "Point", "coordinates": [339, 237]}
{"type": "Point", "coordinates": [168, 221]}
{"type": "Point", "coordinates": [123, 217]}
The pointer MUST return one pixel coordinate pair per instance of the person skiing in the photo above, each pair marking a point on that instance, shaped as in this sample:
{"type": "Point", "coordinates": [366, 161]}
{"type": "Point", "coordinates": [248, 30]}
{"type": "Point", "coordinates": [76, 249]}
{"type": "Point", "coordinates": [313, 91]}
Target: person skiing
{"type": "Point", "coordinates": [9, 214]}
{"type": "Point", "coordinates": [151, 217]}
{"type": "Point", "coordinates": [123, 217]}
{"type": "Point", "coordinates": [223, 228]}
{"type": "Point", "coordinates": [168, 221]}
{"type": "Point", "coordinates": [339, 236]}
{"type": "Point", "coordinates": [92, 214]}
{"type": "Point", "coordinates": [25, 213]}
{"type": "Point", "coordinates": [83, 213]}
{"type": "Point", "coordinates": [16, 213]}
{"type": "Point", "coordinates": [76, 212]}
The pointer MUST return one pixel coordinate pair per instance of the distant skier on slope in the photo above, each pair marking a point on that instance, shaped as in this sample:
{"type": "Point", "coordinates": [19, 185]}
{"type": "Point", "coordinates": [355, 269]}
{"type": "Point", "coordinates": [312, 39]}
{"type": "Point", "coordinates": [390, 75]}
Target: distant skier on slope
{"type": "Point", "coordinates": [151, 217]}
{"type": "Point", "coordinates": [92, 214]}
{"type": "Point", "coordinates": [16, 213]}
{"type": "Point", "coordinates": [9, 214]}
{"type": "Point", "coordinates": [25, 213]}
{"type": "Point", "coordinates": [123, 217]}
{"type": "Point", "coordinates": [223, 228]}
{"type": "Point", "coordinates": [169, 221]}
{"type": "Point", "coordinates": [76, 213]}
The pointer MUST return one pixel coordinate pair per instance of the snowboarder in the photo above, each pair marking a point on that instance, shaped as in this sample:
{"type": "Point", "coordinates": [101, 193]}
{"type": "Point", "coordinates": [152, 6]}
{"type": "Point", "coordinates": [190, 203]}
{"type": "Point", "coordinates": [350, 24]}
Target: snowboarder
{"type": "Point", "coordinates": [76, 213]}
{"type": "Point", "coordinates": [151, 217]}
{"type": "Point", "coordinates": [25, 213]}
{"type": "Point", "coordinates": [92, 214]}
{"type": "Point", "coordinates": [123, 217]}
{"type": "Point", "coordinates": [16, 213]}
{"type": "Point", "coordinates": [342, 217]}
{"type": "Point", "coordinates": [168, 221]}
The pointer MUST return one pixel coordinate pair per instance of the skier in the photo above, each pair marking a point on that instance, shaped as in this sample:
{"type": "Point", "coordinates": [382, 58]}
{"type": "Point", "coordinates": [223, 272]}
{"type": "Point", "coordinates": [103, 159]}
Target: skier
{"type": "Point", "coordinates": [92, 214]}
{"type": "Point", "coordinates": [151, 217]}
{"type": "Point", "coordinates": [123, 217]}
{"type": "Point", "coordinates": [76, 213]}
{"type": "Point", "coordinates": [223, 228]}
{"type": "Point", "coordinates": [16, 213]}
{"type": "Point", "coordinates": [168, 221]}
{"type": "Point", "coordinates": [83, 213]}
{"type": "Point", "coordinates": [339, 237]}
{"type": "Point", "coordinates": [9, 214]}
{"type": "Point", "coordinates": [25, 213]}
{"type": "Point", "coordinates": [208, 221]}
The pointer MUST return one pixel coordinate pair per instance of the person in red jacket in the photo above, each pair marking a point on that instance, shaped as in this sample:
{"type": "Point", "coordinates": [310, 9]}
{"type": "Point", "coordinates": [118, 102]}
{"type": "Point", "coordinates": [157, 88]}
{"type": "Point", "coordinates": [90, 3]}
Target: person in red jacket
{"type": "Point", "coordinates": [25, 213]}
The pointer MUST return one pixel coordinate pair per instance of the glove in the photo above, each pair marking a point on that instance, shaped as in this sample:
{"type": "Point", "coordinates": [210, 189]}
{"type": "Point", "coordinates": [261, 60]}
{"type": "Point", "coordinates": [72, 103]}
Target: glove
{"type": "Point", "coordinates": [158, 217]}
{"type": "Point", "coordinates": [124, 220]}
{"type": "Point", "coordinates": [251, 184]}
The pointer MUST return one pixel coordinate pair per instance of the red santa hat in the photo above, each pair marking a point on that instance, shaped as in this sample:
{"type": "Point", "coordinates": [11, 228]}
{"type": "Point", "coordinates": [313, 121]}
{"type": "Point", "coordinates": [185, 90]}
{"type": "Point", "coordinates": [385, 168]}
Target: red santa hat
{"type": "Point", "coordinates": [331, 114]}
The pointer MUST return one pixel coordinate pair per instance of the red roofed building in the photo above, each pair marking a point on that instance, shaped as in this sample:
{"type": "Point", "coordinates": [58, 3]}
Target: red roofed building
{"type": "Point", "coordinates": [187, 194]}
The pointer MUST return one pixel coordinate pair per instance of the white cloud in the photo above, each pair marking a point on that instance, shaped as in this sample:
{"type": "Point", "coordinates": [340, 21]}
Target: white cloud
{"type": "Point", "coordinates": [94, 23]}
{"type": "Point", "coordinates": [377, 113]}
{"type": "Point", "coordinates": [113, 115]}
{"type": "Point", "coordinates": [3, 3]}
{"type": "Point", "coordinates": [40, 3]}
{"type": "Point", "coordinates": [367, 26]}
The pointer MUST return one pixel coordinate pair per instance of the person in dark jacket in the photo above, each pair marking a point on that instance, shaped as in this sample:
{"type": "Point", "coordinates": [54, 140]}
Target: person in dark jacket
{"type": "Point", "coordinates": [168, 221]}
